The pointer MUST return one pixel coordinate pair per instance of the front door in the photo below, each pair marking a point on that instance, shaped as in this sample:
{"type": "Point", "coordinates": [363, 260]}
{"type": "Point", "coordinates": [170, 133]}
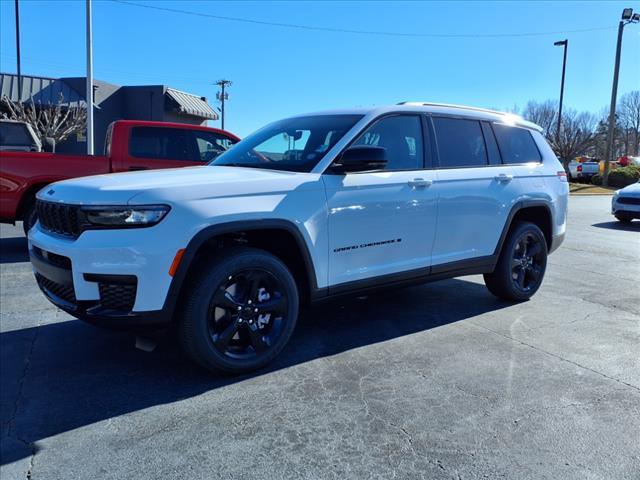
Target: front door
{"type": "Point", "coordinates": [383, 222]}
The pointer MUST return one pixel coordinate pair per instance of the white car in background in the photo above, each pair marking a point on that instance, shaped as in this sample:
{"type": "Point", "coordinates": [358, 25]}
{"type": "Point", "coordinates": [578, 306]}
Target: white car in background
{"type": "Point", "coordinates": [582, 170]}
{"type": "Point", "coordinates": [625, 204]}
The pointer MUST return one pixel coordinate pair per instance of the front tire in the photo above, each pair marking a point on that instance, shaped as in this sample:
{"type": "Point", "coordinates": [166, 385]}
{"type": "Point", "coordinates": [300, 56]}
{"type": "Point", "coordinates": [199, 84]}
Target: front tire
{"type": "Point", "coordinates": [624, 217]}
{"type": "Point", "coordinates": [240, 311]}
{"type": "Point", "coordinates": [521, 265]}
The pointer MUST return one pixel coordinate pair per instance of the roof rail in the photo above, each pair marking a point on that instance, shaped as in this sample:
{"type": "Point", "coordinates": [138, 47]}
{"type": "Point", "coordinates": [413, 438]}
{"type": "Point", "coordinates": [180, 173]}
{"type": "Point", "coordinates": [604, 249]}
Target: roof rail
{"type": "Point", "coordinates": [449, 105]}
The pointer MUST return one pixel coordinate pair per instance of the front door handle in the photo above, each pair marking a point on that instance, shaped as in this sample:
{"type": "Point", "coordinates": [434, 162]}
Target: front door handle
{"type": "Point", "coordinates": [502, 178]}
{"type": "Point", "coordinates": [420, 183]}
{"type": "Point", "coordinates": [135, 168]}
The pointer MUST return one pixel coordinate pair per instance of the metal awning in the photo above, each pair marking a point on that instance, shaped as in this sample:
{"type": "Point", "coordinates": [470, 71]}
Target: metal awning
{"type": "Point", "coordinates": [188, 104]}
{"type": "Point", "coordinates": [41, 90]}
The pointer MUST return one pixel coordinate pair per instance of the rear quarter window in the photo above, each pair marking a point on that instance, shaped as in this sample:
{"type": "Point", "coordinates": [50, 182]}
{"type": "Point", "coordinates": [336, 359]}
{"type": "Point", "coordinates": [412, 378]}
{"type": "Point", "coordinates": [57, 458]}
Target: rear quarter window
{"type": "Point", "coordinates": [516, 144]}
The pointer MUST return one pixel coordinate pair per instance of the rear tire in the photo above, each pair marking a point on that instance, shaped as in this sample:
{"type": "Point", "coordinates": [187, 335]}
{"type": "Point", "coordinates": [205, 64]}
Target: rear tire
{"type": "Point", "coordinates": [623, 217]}
{"type": "Point", "coordinates": [521, 265]}
{"type": "Point", "coordinates": [29, 218]}
{"type": "Point", "coordinates": [240, 311]}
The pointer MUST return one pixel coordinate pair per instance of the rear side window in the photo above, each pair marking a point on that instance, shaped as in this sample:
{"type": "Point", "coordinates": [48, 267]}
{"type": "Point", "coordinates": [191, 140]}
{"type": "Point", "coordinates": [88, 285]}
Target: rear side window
{"type": "Point", "coordinates": [516, 144]}
{"type": "Point", "coordinates": [160, 143]}
{"type": "Point", "coordinates": [460, 142]}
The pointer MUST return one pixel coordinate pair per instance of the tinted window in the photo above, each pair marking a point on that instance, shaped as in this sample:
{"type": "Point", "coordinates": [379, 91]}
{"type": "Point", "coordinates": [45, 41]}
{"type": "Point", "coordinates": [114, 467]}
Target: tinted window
{"type": "Point", "coordinates": [211, 144]}
{"type": "Point", "coordinates": [460, 142]}
{"type": "Point", "coordinates": [516, 144]}
{"type": "Point", "coordinates": [160, 143]}
{"type": "Point", "coordinates": [295, 144]}
{"type": "Point", "coordinates": [401, 136]}
{"type": "Point", "coordinates": [14, 134]}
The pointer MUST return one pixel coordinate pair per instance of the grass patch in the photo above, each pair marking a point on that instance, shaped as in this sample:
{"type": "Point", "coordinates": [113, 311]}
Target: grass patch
{"type": "Point", "coordinates": [588, 189]}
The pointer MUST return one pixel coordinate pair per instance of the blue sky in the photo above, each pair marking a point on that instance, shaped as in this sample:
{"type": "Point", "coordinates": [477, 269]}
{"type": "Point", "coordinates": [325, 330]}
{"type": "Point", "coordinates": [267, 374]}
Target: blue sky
{"type": "Point", "coordinates": [280, 71]}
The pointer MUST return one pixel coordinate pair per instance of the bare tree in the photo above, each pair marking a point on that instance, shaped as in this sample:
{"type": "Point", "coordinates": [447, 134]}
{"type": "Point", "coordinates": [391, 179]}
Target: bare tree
{"type": "Point", "coordinates": [577, 134]}
{"type": "Point", "coordinates": [629, 118]}
{"type": "Point", "coordinates": [52, 123]}
{"type": "Point", "coordinates": [544, 114]}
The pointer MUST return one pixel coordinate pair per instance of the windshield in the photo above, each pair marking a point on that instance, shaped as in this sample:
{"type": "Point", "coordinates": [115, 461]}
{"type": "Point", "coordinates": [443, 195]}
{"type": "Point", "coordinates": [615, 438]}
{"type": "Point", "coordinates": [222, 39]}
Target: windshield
{"type": "Point", "coordinates": [294, 144]}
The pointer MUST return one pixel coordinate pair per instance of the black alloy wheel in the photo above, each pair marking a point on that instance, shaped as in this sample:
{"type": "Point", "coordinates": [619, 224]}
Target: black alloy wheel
{"type": "Point", "coordinates": [527, 262]}
{"type": "Point", "coordinates": [247, 314]}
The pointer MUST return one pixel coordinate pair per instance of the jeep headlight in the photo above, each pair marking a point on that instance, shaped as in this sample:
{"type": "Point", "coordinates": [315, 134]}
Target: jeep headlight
{"type": "Point", "coordinates": [125, 216]}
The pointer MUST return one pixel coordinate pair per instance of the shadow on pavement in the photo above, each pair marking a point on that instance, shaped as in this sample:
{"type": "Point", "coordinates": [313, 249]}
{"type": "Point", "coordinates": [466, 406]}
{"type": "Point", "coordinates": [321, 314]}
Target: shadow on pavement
{"type": "Point", "coordinates": [79, 375]}
{"type": "Point", "coordinates": [634, 226]}
{"type": "Point", "coordinates": [13, 250]}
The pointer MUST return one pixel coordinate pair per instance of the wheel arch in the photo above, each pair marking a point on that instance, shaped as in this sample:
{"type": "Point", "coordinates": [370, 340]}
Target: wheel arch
{"type": "Point", "coordinates": [537, 212]}
{"type": "Point", "coordinates": [281, 238]}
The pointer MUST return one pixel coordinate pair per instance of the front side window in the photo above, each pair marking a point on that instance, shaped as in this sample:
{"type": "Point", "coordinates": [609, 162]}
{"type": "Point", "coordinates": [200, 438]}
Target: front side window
{"type": "Point", "coordinates": [211, 144]}
{"type": "Point", "coordinates": [294, 144]}
{"type": "Point", "coordinates": [516, 144]}
{"type": "Point", "coordinates": [401, 136]}
{"type": "Point", "coordinates": [160, 143]}
{"type": "Point", "coordinates": [460, 143]}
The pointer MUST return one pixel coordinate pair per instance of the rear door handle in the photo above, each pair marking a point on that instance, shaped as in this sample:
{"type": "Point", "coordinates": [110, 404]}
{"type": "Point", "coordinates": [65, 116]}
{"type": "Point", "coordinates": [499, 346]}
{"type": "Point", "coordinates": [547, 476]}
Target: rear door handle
{"type": "Point", "coordinates": [420, 183]}
{"type": "Point", "coordinates": [133, 168]}
{"type": "Point", "coordinates": [502, 178]}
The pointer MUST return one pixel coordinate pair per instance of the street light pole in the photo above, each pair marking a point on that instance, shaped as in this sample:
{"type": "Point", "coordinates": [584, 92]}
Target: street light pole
{"type": "Point", "coordinates": [18, 51]}
{"type": "Point", "coordinates": [564, 43]}
{"type": "Point", "coordinates": [89, 88]}
{"type": "Point", "coordinates": [627, 17]}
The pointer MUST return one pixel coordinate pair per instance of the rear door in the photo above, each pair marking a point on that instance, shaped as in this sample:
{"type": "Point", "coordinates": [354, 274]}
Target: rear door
{"type": "Point", "coordinates": [476, 191]}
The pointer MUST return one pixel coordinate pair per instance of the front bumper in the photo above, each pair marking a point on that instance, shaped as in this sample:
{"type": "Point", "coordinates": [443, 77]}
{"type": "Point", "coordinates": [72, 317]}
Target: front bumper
{"type": "Point", "coordinates": [626, 204]}
{"type": "Point", "coordinates": [123, 283]}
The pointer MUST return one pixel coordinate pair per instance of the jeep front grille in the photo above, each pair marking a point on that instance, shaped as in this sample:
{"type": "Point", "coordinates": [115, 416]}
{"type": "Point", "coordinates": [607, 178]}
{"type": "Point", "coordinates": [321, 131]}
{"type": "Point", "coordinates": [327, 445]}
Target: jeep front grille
{"type": "Point", "coordinates": [60, 218]}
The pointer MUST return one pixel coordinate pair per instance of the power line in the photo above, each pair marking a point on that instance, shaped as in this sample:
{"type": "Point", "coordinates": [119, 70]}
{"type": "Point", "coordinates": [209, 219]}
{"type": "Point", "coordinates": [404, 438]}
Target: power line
{"type": "Point", "coordinates": [359, 32]}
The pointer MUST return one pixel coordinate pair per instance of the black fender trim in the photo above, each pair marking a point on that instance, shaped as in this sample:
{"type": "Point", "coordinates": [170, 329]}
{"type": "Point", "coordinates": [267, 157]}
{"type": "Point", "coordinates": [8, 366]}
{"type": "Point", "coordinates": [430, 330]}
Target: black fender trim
{"type": "Point", "coordinates": [212, 231]}
{"type": "Point", "coordinates": [521, 205]}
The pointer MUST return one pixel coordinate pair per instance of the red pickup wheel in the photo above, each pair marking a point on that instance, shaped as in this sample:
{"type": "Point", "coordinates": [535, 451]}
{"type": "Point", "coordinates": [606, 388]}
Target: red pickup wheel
{"type": "Point", "coordinates": [29, 217]}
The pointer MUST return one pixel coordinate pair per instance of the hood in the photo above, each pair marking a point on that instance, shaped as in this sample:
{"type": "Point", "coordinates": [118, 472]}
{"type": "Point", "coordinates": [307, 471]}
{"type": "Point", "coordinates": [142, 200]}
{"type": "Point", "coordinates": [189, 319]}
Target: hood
{"type": "Point", "coordinates": [632, 190]}
{"type": "Point", "coordinates": [171, 185]}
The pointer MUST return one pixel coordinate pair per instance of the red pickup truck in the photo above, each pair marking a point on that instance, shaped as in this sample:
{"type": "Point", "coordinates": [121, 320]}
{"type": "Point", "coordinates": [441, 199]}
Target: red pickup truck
{"type": "Point", "coordinates": [129, 145]}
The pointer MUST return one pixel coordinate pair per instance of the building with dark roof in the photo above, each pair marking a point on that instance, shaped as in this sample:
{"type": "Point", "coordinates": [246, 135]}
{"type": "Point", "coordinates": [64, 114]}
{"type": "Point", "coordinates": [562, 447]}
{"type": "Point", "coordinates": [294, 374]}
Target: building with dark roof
{"type": "Point", "coordinates": [111, 102]}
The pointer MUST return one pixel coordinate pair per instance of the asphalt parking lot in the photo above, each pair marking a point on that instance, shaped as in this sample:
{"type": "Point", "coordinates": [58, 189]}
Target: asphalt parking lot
{"type": "Point", "coordinates": [436, 381]}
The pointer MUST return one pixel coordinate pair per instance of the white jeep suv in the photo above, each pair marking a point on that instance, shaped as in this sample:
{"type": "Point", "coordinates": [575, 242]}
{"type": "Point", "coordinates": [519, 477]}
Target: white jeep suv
{"type": "Point", "coordinates": [306, 208]}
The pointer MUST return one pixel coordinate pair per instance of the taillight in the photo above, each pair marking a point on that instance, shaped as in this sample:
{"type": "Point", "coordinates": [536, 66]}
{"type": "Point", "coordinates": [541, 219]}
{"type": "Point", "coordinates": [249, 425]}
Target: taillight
{"type": "Point", "coordinates": [579, 168]}
{"type": "Point", "coordinates": [562, 176]}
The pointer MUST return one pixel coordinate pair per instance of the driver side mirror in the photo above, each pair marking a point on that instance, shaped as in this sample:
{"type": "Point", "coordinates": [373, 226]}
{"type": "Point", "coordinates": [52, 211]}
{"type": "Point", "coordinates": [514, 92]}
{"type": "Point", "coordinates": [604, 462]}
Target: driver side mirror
{"type": "Point", "coordinates": [361, 158]}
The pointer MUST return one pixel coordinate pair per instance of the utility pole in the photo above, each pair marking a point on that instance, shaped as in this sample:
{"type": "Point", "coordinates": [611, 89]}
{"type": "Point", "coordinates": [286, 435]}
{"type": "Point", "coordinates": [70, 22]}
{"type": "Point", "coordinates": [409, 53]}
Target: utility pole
{"type": "Point", "coordinates": [18, 51]}
{"type": "Point", "coordinates": [89, 94]}
{"type": "Point", "coordinates": [222, 96]}
{"type": "Point", "coordinates": [565, 44]}
{"type": "Point", "coordinates": [627, 17]}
